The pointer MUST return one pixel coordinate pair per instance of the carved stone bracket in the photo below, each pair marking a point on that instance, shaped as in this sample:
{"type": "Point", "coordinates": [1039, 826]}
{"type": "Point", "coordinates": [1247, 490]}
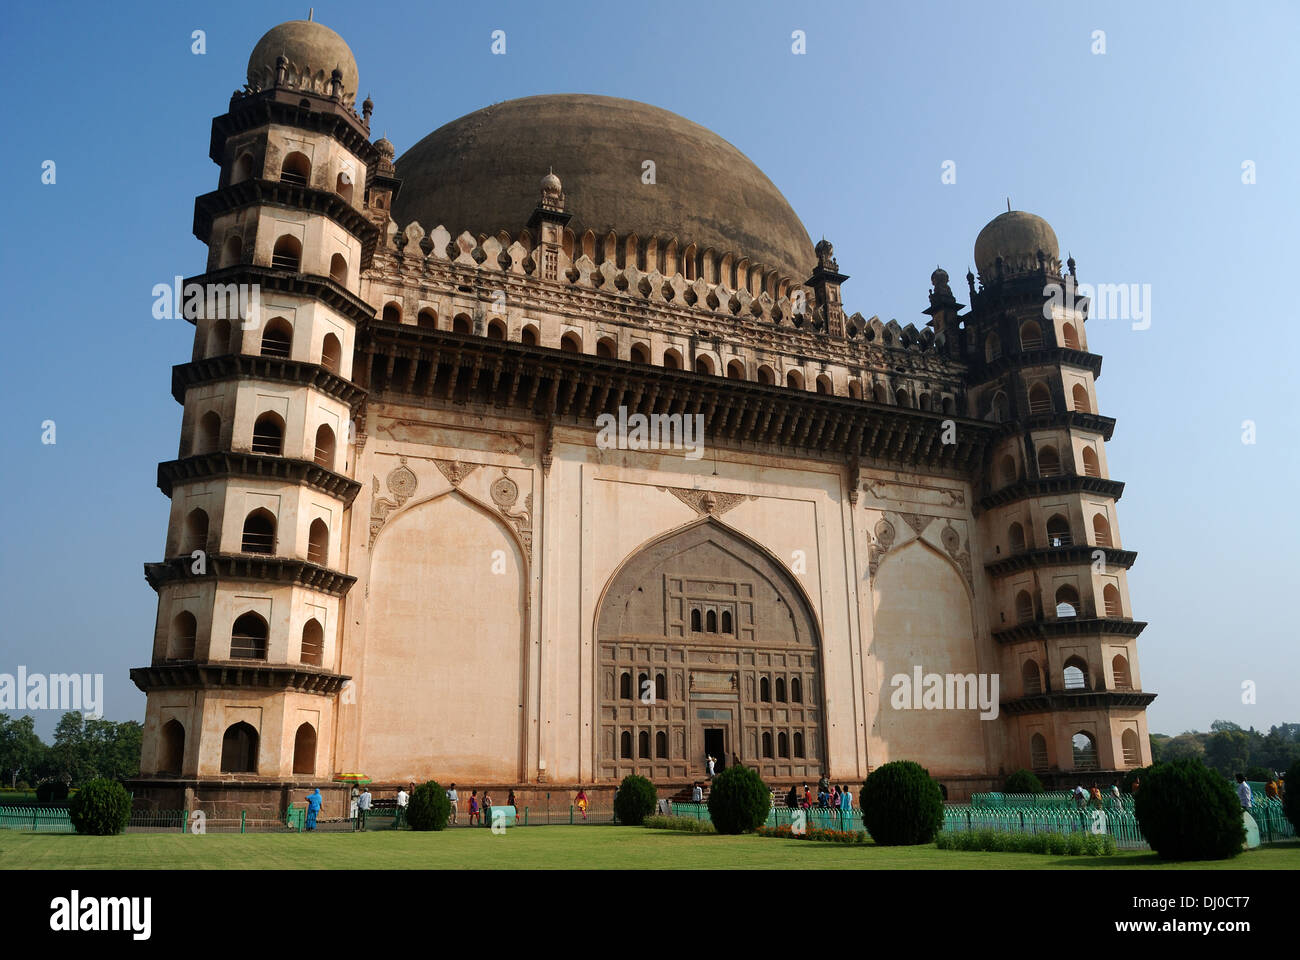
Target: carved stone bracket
{"type": "Point", "coordinates": [705, 502]}
{"type": "Point", "coordinates": [455, 471]}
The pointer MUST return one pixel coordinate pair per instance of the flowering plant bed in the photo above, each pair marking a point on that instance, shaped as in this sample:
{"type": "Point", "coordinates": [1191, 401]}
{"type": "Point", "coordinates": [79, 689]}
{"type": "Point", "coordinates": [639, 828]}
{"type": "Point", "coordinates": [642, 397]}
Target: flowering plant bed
{"type": "Point", "coordinates": [1057, 844]}
{"type": "Point", "coordinates": [813, 833]}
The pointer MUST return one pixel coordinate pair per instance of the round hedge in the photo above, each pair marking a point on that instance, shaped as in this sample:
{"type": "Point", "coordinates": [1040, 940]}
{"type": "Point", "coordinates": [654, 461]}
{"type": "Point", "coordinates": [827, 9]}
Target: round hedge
{"type": "Point", "coordinates": [739, 800]}
{"type": "Point", "coordinates": [1189, 812]}
{"type": "Point", "coordinates": [428, 808]}
{"type": "Point", "coordinates": [1024, 781]}
{"type": "Point", "coordinates": [1291, 800]}
{"type": "Point", "coordinates": [635, 800]}
{"type": "Point", "coordinates": [901, 804]}
{"type": "Point", "coordinates": [101, 808]}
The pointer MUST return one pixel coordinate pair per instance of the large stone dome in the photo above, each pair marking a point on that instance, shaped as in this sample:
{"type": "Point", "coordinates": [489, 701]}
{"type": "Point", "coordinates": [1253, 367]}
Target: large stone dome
{"type": "Point", "coordinates": [313, 50]}
{"type": "Point", "coordinates": [1016, 237]}
{"type": "Point", "coordinates": [481, 174]}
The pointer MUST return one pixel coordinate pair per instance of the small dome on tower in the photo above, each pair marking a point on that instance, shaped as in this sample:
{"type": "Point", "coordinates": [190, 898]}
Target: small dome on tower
{"type": "Point", "coordinates": [939, 278]}
{"type": "Point", "coordinates": [551, 183]}
{"type": "Point", "coordinates": [313, 50]}
{"type": "Point", "coordinates": [385, 148]}
{"type": "Point", "coordinates": [1018, 238]}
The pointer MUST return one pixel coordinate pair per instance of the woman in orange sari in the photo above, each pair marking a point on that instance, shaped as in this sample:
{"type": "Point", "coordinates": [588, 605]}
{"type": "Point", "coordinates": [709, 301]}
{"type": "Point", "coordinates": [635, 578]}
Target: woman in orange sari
{"type": "Point", "coordinates": [582, 803]}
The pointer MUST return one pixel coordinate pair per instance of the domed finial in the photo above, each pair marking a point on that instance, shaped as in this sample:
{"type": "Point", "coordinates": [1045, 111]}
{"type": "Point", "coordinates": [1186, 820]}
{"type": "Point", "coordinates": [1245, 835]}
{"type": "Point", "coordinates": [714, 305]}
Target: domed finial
{"type": "Point", "coordinates": [367, 108]}
{"type": "Point", "coordinates": [825, 254]}
{"type": "Point", "coordinates": [1070, 264]}
{"type": "Point", "coordinates": [552, 191]}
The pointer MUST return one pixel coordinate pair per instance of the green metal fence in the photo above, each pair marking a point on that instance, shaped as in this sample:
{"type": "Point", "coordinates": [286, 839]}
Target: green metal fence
{"type": "Point", "coordinates": [815, 818]}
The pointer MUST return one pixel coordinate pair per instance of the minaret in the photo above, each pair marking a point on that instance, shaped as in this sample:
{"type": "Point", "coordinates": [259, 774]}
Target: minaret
{"type": "Point", "coordinates": [1060, 609]}
{"type": "Point", "coordinates": [825, 281]}
{"type": "Point", "coordinates": [244, 680]}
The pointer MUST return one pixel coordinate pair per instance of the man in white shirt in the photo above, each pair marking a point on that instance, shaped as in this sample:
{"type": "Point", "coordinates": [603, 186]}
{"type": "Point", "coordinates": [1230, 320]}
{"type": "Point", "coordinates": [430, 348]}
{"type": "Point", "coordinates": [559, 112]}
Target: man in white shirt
{"type": "Point", "coordinates": [402, 800]}
{"type": "Point", "coordinates": [455, 802]}
{"type": "Point", "coordinates": [697, 794]}
{"type": "Point", "coordinates": [1243, 792]}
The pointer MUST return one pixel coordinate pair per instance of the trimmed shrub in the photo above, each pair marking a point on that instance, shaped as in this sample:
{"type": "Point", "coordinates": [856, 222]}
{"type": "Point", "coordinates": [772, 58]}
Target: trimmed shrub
{"type": "Point", "coordinates": [101, 808]}
{"type": "Point", "coordinates": [635, 800]}
{"type": "Point", "coordinates": [684, 824]}
{"type": "Point", "coordinates": [813, 833]}
{"type": "Point", "coordinates": [429, 808]}
{"type": "Point", "coordinates": [1189, 812]}
{"type": "Point", "coordinates": [1291, 801]}
{"type": "Point", "coordinates": [739, 800]}
{"type": "Point", "coordinates": [1023, 781]}
{"type": "Point", "coordinates": [1259, 774]}
{"type": "Point", "coordinates": [1059, 844]}
{"type": "Point", "coordinates": [51, 791]}
{"type": "Point", "coordinates": [901, 804]}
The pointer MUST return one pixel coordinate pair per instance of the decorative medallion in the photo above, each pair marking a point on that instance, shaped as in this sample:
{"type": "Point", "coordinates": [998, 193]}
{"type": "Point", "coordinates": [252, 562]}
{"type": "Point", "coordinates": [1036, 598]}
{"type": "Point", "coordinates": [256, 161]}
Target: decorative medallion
{"type": "Point", "coordinates": [504, 491]}
{"type": "Point", "coordinates": [401, 483]}
{"type": "Point", "coordinates": [952, 543]}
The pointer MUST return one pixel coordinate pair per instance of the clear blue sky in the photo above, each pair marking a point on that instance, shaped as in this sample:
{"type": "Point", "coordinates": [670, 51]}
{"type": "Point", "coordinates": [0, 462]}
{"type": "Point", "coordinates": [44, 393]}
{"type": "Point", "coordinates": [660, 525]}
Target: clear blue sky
{"type": "Point", "coordinates": [1134, 156]}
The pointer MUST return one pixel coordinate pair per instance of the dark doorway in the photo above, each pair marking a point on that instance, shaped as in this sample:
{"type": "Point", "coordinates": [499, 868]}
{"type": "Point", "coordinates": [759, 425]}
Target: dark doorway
{"type": "Point", "coordinates": [715, 746]}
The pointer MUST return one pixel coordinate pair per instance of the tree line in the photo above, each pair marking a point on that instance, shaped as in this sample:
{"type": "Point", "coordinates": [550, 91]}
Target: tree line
{"type": "Point", "coordinates": [1231, 750]}
{"type": "Point", "coordinates": [84, 748]}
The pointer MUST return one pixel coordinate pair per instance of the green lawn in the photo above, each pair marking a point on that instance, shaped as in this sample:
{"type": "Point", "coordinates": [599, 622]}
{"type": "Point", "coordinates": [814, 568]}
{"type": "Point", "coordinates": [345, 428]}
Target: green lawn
{"type": "Point", "coordinates": [590, 847]}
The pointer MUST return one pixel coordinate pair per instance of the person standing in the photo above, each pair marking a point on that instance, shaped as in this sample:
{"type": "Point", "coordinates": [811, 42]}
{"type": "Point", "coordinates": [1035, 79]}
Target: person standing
{"type": "Point", "coordinates": [1114, 792]}
{"type": "Point", "coordinates": [792, 798]}
{"type": "Point", "coordinates": [363, 807]}
{"type": "Point", "coordinates": [487, 808]}
{"type": "Point", "coordinates": [581, 801]}
{"type": "Point", "coordinates": [846, 798]}
{"type": "Point", "coordinates": [510, 802]}
{"type": "Point", "coordinates": [697, 793]}
{"type": "Point", "coordinates": [473, 807]}
{"type": "Point", "coordinates": [454, 797]}
{"type": "Point", "coordinates": [314, 802]}
{"type": "Point", "coordinates": [710, 765]}
{"type": "Point", "coordinates": [352, 807]}
{"type": "Point", "coordinates": [1243, 792]}
{"type": "Point", "coordinates": [403, 798]}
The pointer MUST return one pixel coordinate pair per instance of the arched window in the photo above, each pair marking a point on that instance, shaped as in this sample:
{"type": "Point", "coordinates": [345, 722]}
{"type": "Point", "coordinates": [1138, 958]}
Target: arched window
{"type": "Point", "coordinates": [672, 360]}
{"type": "Point", "coordinates": [1101, 530]}
{"type": "Point", "coordinates": [923, 401]}
{"type": "Point", "coordinates": [1058, 532]}
{"type": "Point", "coordinates": [1085, 751]}
{"type": "Point", "coordinates": [798, 745]}
{"type": "Point", "coordinates": [427, 319]}
{"type": "Point", "coordinates": [711, 621]}
{"type": "Point", "coordinates": [661, 745]}
{"type": "Point", "coordinates": [765, 690]}
{"type": "Point", "coordinates": [496, 330]}
{"type": "Point", "coordinates": [704, 364]}
{"type": "Point", "coordinates": [296, 169]}
{"type": "Point", "coordinates": [780, 689]}
{"type": "Point", "coordinates": [1001, 408]}
{"type": "Point", "coordinates": [1076, 674]}
{"type": "Point", "coordinates": [766, 375]}
{"type": "Point", "coordinates": [1031, 336]}
{"type": "Point", "coordinates": [331, 353]}
{"type": "Point", "coordinates": [1049, 462]}
{"type": "Point", "coordinates": [625, 745]}
{"type": "Point", "coordinates": [1119, 666]}
{"type": "Point", "coordinates": [605, 347]}
{"type": "Point", "coordinates": [661, 687]}
{"type": "Point", "coordinates": [695, 620]}
{"type": "Point", "coordinates": [339, 269]}
{"type": "Point", "coordinates": [343, 186]}
{"type": "Point", "coordinates": [767, 745]}
{"type": "Point", "coordinates": [879, 394]}
{"type": "Point", "coordinates": [948, 405]}
{"type": "Point", "coordinates": [1080, 395]}
{"type": "Point", "coordinates": [570, 343]}
{"type": "Point", "coordinates": [901, 398]}
{"type": "Point", "coordinates": [1016, 536]}
{"type": "Point", "coordinates": [392, 312]}
{"type": "Point", "coordinates": [783, 745]}
{"type": "Point", "coordinates": [528, 336]}
{"type": "Point", "coordinates": [796, 691]}
{"type": "Point", "coordinates": [1038, 752]}
{"type": "Point", "coordinates": [824, 385]}
{"type": "Point", "coordinates": [1009, 473]}
{"type": "Point", "coordinates": [1067, 602]}
{"type": "Point", "coordinates": [1132, 754]}
{"type": "Point", "coordinates": [209, 439]}
{"type": "Point", "coordinates": [171, 747]}
{"type": "Point", "coordinates": [1070, 337]}
{"type": "Point", "coordinates": [313, 643]}
{"type": "Point", "coordinates": [1032, 677]}
{"type": "Point", "coordinates": [992, 348]}
{"type": "Point", "coordinates": [185, 630]}
{"type": "Point", "coordinates": [304, 750]}
{"type": "Point", "coordinates": [196, 531]}
{"type": "Point", "coordinates": [726, 621]}
{"type": "Point", "coordinates": [794, 380]}
{"type": "Point", "coordinates": [324, 455]}
{"type": "Point", "coordinates": [639, 353]}
{"type": "Point", "coordinates": [643, 687]}
{"type": "Point", "coordinates": [248, 638]}
{"type": "Point", "coordinates": [268, 434]}
{"type": "Point", "coordinates": [855, 389]}
{"type": "Point", "coordinates": [243, 168]}
{"type": "Point", "coordinates": [259, 532]}
{"type": "Point", "coordinates": [287, 254]}
{"type": "Point", "coordinates": [625, 686]}
{"type": "Point", "coordinates": [1111, 601]}
{"type": "Point", "coordinates": [318, 542]}
{"type": "Point", "coordinates": [232, 251]}
{"type": "Point", "coordinates": [643, 744]}
{"type": "Point", "coordinates": [277, 339]}
{"type": "Point", "coordinates": [1024, 607]}
{"type": "Point", "coordinates": [1091, 466]}
{"type": "Point", "coordinates": [1040, 399]}
{"type": "Point", "coordinates": [736, 370]}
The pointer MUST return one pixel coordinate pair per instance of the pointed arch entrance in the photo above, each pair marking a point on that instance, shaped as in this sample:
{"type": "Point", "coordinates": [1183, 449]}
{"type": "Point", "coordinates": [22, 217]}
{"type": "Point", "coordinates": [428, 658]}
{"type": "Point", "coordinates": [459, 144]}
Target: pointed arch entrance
{"type": "Point", "coordinates": [722, 619]}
